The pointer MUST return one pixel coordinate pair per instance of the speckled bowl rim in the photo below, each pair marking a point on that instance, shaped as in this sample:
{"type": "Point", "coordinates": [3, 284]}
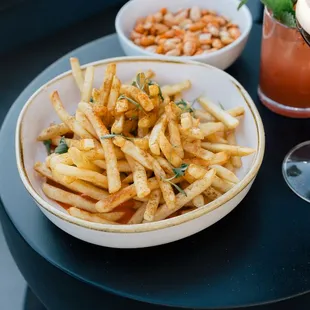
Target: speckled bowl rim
{"type": "Point", "coordinates": [120, 32]}
{"type": "Point", "coordinates": [145, 227]}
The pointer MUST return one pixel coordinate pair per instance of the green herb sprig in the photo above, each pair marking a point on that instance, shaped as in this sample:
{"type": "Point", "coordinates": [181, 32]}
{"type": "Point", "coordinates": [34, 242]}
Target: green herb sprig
{"type": "Point", "coordinates": [184, 106]}
{"type": "Point", "coordinates": [48, 144]}
{"type": "Point", "coordinates": [282, 10]}
{"type": "Point", "coordinates": [131, 100]}
{"type": "Point", "coordinates": [62, 146]}
{"type": "Point", "coordinates": [178, 172]}
{"type": "Point", "coordinates": [113, 135]}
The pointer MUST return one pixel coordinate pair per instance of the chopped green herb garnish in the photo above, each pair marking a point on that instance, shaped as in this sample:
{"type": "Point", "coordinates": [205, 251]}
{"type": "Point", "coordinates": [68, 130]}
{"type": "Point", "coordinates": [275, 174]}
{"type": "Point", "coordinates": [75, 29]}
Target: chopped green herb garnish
{"type": "Point", "coordinates": [113, 135]}
{"type": "Point", "coordinates": [222, 107]}
{"type": "Point", "coordinates": [184, 106]}
{"type": "Point", "coordinates": [48, 144]}
{"type": "Point", "coordinates": [62, 146]}
{"type": "Point", "coordinates": [178, 172]}
{"type": "Point", "coordinates": [91, 99]}
{"type": "Point", "coordinates": [130, 100]}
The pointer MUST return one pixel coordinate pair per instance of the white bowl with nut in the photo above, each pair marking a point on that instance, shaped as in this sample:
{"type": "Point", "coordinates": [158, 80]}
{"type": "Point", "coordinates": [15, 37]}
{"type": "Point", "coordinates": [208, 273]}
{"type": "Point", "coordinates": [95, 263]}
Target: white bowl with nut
{"type": "Point", "coordinates": [129, 160]}
{"type": "Point", "coordinates": [213, 32]}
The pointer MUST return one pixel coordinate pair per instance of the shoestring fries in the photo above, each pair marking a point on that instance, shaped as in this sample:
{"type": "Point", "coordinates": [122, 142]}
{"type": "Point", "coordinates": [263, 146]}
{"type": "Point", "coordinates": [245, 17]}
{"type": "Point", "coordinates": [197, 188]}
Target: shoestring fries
{"type": "Point", "coordinates": [137, 152]}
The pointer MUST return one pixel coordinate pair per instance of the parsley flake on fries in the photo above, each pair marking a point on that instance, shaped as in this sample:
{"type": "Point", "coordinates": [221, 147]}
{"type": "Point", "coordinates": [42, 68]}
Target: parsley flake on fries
{"type": "Point", "coordinates": [138, 152]}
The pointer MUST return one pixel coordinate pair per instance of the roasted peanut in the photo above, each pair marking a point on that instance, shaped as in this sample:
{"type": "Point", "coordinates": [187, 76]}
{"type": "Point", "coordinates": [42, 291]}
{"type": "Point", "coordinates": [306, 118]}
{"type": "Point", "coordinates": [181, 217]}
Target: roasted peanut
{"type": "Point", "coordinates": [195, 14]}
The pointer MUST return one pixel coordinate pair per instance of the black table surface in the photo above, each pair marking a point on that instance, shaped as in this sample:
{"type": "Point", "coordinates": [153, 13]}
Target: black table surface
{"type": "Point", "coordinates": [259, 253]}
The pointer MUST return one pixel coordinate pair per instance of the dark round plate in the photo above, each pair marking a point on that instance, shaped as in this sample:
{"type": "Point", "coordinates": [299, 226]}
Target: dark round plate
{"type": "Point", "coordinates": [259, 253]}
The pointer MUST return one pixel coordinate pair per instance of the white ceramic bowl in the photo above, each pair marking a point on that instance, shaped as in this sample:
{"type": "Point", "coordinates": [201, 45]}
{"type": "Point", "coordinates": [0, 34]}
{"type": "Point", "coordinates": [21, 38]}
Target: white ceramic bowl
{"type": "Point", "coordinates": [218, 85]}
{"type": "Point", "coordinates": [222, 59]}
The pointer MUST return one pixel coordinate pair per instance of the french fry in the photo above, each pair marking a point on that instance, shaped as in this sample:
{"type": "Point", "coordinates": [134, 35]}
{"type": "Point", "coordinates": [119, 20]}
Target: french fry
{"type": "Point", "coordinates": [139, 96]}
{"type": "Point", "coordinates": [237, 111]}
{"type": "Point", "coordinates": [77, 73]}
{"type": "Point", "coordinates": [122, 165]}
{"type": "Point", "coordinates": [122, 106]}
{"type": "Point", "coordinates": [128, 179]}
{"type": "Point", "coordinates": [53, 132]}
{"type": "Point", "coordinates": [211, 193]}
{"type": "Point", "coordinates": [168, 150]}
{"type": "Point", "coordinates": [196, 171]}
{"type": "Point", "coordinates": [170, 90]}
{"type": "Point", "coordinates": [148, 120]}
{"type": "Point", "coordinates": [86, 216]}
{"type": "Point", "coordinates": [69, 120]}
{"type": "Point", "coordinates": [107, 145]}
{"type": "Point", "coordinates": [186, 120]}
{"type": "Point", "coordinates": [211, 128]}
{"type": "Point", "coordinates": [152, 205]}
{"type": "Point", "coordinates": [214, 138]}
{"type": "Point", "coordinates": [88, 83]}
{"type": "Point", "coordinates": [222, 185]}
{"type": "Point", "coordinates": [225, 174]}
{"type": "Point", "coordinates": [220, 158]}
{"type": "Point", "coordinates": [139, 155]}
{"type": "Point", "coordinates": [139, 177]}
{"type": "Point", "coordinates": [229, 166]}
{"type": "Point", "coordinates": [55, 159]}
{"type": "Point", "coordinates": [164, 163]}
{"type": "Point", "coordinates": [60, 195]}
{"type": "Point", "coordinates": [78, 186]}
{"type": "Point", "coordinates": [159, 127]}
{"type": "Point", "coordinates": [82, 144]}
{"type": "Point", "coordinates": [191, 191]}
{"type": "Point", "coordinates": [112, 216]}
{"type": "Point", "coordinates": [118, 125]}
{"type": "Point", "coordinates": [153, 90]}
{"type": "Point", "coordinates": [204, 116]}
{"type": "Point", "coordinates": [99, 154]}
{"type": "Point", "coordinates": [114, 94]}
{"type": "Point", "coordinates": [165, 187]}
{"type": "Point", "coordinates": [193, 133]}
{"type": "Point", "coordinates": [137, 218]}
{"type": "Point", "coordinates": [198, 151]}
{"type": "Point", "coordinates": [142, 143]}
{"type": "Point", "coordinates": [107, 84]}
{"type": "Point", "coordinates": [81, 161]}
{"type": "Point", "coordinates": [233, 150]}
{"type": "Point", "coordinates": [82, 119]}
{"type": "Point", "coordinates": [83, 174]}
{"type": "Point", "coordinates": [229, 121]}
{"type": "Point", "coordinates": [100, 110]}
{"type": "Point", "coordinates": [199, 201]}
{"type": "Point", "coordinates": [109, 203]}
{"type": "Point", "coordinates": [235, 160]}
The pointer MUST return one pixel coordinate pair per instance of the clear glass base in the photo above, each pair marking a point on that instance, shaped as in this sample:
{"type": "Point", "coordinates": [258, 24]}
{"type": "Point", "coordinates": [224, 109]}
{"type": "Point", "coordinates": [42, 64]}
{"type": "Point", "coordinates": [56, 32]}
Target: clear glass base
{"type": "Point", "coordinates": [281, 108]}
{"type": "Point", "coordinates": [296, 170]}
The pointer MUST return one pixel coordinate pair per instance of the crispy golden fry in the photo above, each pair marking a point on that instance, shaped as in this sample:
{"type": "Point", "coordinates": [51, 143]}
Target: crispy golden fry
{"type": "Point", "coordinates": [196, 171]}
{"type": "Point", "coordinates": [229, 121]}
{"type": "Point", "coordinates": [53, 132]}
{"type": "Point", "coordinates": [139, 177]}
{"type": "Point", "coordinates": [235, 160]}
{"type": "Point", "coordinates": [82, 144]}
{"type": "Point", "coordinates": [148, 120]}
{"type": "Point", "coordinates": [165, 186]}
{"type": "Point", "coordinates": [153, 90]}
{"type": "Point", "coordinates": [198, 151]}
{"type": "Point", "coordinates": [78, 186]}
{"type": "Point", "coordinates": [199, 201]}
{"type": "Point", "coordinates": [112, 216]}
{"type": "Point", "coordinates": [233, 150]}
{"type": "Point", "coordinates": [84, 215]}
{"type": "Point", "coordinates": [222, 185]}
{"type": "Point", "coordinates": [137, 154]}
{"type": "Point", "coordinates": [189, 178]}
{"type": "Point", "coordinates": [204, 116]}
{"type": "Point", "coordinates": [220, 158]}
{"type": "Point", "coordinates": [193, 133]}
{"type": "Point", "coordinates": [211, 128]}
{"type": "Point", "coordinates": [69, 120]}
{"type": "Point", "coordinates": [107, 84]}
{"type": "Point", "coordinates": [88, 83]}
{"type": "Point", "coordinates": [214, 138]}
{"type": "Point", "coordinates": [81, 161]}
{"type": "Point", "coordinates": [186, 120]}
{"type": "Point", "coordinates": [168, 150]}
{"type": "Point", "coordinates": [83, 174]}
{"type": "Point", "coordinates": [139, 96]}
{"type": "Point", "coordinates": [55, 159]}
{"type": "Point", "coordinates": [152, 205]}
{"type": "Point", "coordinates": [170, 90]}
{"type": "Point", "coordinates": [114, 94]}
{"type": "Point", "coordinates": [118, 125]}
{"type": "Point", "coordinates": [77, 73]}
{"type": "Point", "coordinates": [142, 143]}
{"type": "Point", "coordinates": [109, 203]}
{"type": "Point", "coordinates": [237, 111]}
{"type": "Point", "coordinates": [100, 110]}
{"type": "Point", "coordinates": [191, 191]}
{"type": "Point", "coordinates": [122, 106]}
{"type": "Point", "coordinates": [122, 165]}
{"type": "Point", "coordinates": [107, 145]}
{"type": "Point", "coordinates": [99, 154]}
{"type": "Point", "coordinates": [159, 127]}
{"type": "Point", "coordinates": [211, 193]}
{"type": "Point", "coordinates": [82, 119]}
{"type": "Point", "coordinates": [225, 174]}
{"type": "Point", "coordinates": [164, 163]}
{"type": "Point", "coordinates": [60, 195]}
{"type": "Point", "coordinates": [175, 138]}
{"type": "Point", "coordinates": [229, 166]}
{"type": "Point", "coordinates": [137, 218]}
{"type": "Point", "coordinates": [128, 179]}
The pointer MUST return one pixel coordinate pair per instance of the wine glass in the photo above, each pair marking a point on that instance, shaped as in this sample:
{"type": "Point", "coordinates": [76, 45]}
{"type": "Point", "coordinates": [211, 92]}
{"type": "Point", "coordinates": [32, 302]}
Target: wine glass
{"type": "Point", "coordinates": [296, 168]}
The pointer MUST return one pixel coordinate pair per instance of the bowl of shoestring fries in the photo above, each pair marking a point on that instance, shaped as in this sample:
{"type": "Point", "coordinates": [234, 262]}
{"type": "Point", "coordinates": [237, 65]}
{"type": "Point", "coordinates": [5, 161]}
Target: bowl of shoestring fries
{"type": "Point", "coordinates": [135, 151]}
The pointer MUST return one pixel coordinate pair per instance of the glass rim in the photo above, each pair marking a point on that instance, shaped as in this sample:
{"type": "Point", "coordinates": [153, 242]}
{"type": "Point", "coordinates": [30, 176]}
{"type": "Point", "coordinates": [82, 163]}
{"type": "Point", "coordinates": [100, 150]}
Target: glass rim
{"type": "Point", "coordinates": [268, 12]}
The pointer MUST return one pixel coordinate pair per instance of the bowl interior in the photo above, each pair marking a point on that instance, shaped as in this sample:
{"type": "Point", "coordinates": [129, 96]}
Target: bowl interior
{"type": "Point", "coordinates": [138, 8]}
{"type": "Point", "coordinates": [206, 80]}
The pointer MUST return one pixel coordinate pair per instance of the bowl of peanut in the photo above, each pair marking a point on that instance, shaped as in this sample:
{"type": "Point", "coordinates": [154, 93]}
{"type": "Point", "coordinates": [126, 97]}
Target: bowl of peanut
{"type": "Point", "coordinates": [213, 32]}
